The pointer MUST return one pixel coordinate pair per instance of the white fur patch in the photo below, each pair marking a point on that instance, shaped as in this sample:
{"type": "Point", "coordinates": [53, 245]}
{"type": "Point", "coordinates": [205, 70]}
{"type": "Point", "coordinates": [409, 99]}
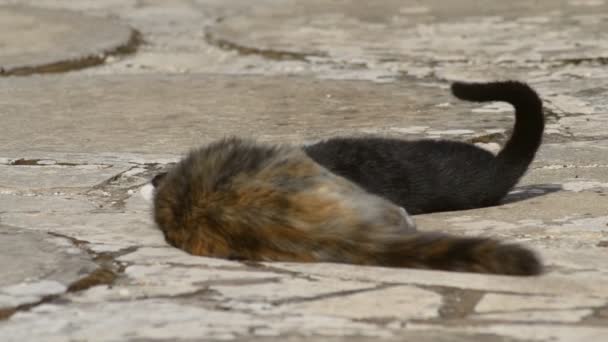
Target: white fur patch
{"type": "Point", "coordinates": [147, 192]}
{"type": "Point", "coordinates": [408, 218]}
{"type": "Point", "coordinates": [490, 147]}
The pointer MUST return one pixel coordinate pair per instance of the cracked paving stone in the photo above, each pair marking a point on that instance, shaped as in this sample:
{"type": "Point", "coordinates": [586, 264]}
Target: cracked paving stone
{"type": "Point", "coordinates": [526, 332]}
{"type": "Point", "coordinates": [85, 160]}
{"type": "Point", "coordinates": [410, 31]}
{"type": "Point", "coordinates": [58, 40]}
{"type": "Point", "coordinates": [291, 290]}
{"type": "Point", "coordinates": [12, 203]}
{"type": "Point", "coordinates": [98, 114]}
{"type": "Point", "coordinates": [173, 256]}
{"type": "Point", "coordinates": [103, 232]}
{"type": "Point", "coordinates": [540, 220]}
{"type": "Point", "coordinates": [518, 308]}
{"type": "Point", "coordinates": [144, 281]}
{"type": "Point", "coordinates": [162, 319]}
{"type": "Point", "coordinates": [551, 284]}
{"type": "Point", "coordinates": [496, 302]}
{"type": "Point", "coordinates": [397, 303]}
{"type": "Point", "coordinates": [49, 177]}
{"type": "Point", "coordinates": [537, 316]}
{"type": "Point", "coordinates": [34, 265]}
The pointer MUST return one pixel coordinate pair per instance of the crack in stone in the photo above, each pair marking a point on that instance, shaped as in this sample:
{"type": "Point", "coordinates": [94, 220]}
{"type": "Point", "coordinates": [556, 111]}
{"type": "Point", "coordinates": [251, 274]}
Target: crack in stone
{"type": "Point", "coordinates": [49, 162]}
{"type": "Point", "coordinates": [492, 312]}
{"type": "Point", "coordinates": [135, 40]}
{"type": "Point", "coordinates": [331, 295]}
{"type": "Point", "coordinates": [6, 313]}
{"type": "Point", "coordinates": [598, 317]}
{"type": "Point", "coordinates": [203, 293]}
{"type": "Point", "coordinates": [581, 60]}
{"type": "Point", "coordinates": [456, 303]}
{"type": "Point", "coordinates": [271, 54]}
{"type": "Point", "coordinates": [75, 241]}
{"type": "Point", "coordinates": [101, 257]}
{"type": "Point", "coordinates": [101, 276]}
{"type": "Point", "coordinates": [105, 260]}
{"type": "Point", "coordinates": [459, 304]}
{"type": "Point", "coordinates": [278, 270]}
{"type": "Point", "coordinates": [219, 268]}
{"type": "Point", "coordinates": [114, 193]}
{"type": "Point", "coordinates": [107, 273]}
{"type": "Point", "coordinates": [463, 322]}
{"type": "Point", "coordinates": [238, 281]}
{"type": "Point", "coordinates": [551, 113]}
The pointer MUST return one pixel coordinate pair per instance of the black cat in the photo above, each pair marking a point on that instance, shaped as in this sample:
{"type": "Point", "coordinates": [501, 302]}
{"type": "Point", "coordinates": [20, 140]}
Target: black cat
{"type": "Point", "coordinates": [426, 176]}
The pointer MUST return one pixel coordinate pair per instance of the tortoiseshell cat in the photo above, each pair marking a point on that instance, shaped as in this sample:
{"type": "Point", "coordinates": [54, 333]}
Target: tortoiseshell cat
{"type": "Point", "coordinates": [426, 176]}
{"type": "Point", "coordinates": [238, 199]}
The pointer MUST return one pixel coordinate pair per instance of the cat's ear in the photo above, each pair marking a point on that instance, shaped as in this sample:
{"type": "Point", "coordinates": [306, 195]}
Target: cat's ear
{"type": "Point", "coordinates": [158, 178]}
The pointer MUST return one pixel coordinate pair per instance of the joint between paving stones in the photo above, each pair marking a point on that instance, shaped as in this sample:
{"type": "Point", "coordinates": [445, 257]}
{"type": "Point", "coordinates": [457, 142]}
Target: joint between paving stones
{"type": "Point", "coordinates": [107, 272]}
{"type": "Point", "coordinates": [118, 194]}
{"type": "Point", "coordinates": [130, 47]}
{"type": "Point", "coordinates": [271, 54]}
{"type": "Point", "coordinates": [331, 295]}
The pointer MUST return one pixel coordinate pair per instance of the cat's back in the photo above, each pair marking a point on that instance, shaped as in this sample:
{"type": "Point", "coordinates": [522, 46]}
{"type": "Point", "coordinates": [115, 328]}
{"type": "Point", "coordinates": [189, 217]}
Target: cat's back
{"type": "Point", "coordinates": [420, 175]}
{"type": "Point", "coordinates": [367, 150]}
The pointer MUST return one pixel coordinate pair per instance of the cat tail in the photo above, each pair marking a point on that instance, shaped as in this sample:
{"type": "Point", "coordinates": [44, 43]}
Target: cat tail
{"type": "Point", "coordinates": [438, 252]}
{"type": "Point", "coordinates": [517, 154]}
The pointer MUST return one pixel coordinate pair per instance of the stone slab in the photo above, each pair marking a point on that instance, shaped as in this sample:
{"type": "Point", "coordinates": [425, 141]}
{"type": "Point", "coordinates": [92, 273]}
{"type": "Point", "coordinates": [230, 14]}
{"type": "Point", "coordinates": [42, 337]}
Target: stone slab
{"type": "Point", "coordinates": [104, 231]}
{"type": "Point", "coordinates": [34, 265]}
{"type": "Point", "coordinates": [36, 40]}
{"type": "Point", "coordinates": [173, 113]}
{"type": "Point", "coordinates": [46, 204]}
{"type": "Point", "coordinates": [47, 177]}
{"type": "Point", "coordinates": [395, 303]}
{"type": "Point", "coordinates": [512, 307]}
{"type": "Point", "coordinates": [537, 316]}
{"type": "Point", "coordinates": [289, 289]}
{"type": "Point", "coordinates": [302, 86]}
{"type": "Point", "coordinates": [411, 31]}
{"type": "Point", "coordinates": [551, 284]}
{"type": "Point", "coordinates": [164, 319]}
{"type": "Point", "coordinates": [527, 332]}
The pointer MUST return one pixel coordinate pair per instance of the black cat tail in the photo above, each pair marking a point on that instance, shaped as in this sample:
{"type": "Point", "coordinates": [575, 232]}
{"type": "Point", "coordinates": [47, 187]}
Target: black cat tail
{"type": "Point", "coordinates": [517, 154]}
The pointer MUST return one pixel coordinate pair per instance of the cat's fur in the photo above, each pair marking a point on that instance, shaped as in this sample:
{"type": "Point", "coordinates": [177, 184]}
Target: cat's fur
{"type": "Point", "coordinates": [426, 176]}
{"type": "Point", "coordinates": [239, 199]}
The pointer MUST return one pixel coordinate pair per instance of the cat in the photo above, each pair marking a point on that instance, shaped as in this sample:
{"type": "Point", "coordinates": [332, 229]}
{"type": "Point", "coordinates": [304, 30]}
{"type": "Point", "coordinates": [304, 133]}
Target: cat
{"type": "Point", "coordinates": [425, 176]}
{"type": "Point", "coordinates": [242, 200]}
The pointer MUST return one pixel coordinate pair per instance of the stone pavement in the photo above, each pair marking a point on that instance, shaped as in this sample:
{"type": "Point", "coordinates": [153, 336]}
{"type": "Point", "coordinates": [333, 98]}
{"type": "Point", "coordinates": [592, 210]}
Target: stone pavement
{"type": "Point", "coordinates": [135, 83]}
